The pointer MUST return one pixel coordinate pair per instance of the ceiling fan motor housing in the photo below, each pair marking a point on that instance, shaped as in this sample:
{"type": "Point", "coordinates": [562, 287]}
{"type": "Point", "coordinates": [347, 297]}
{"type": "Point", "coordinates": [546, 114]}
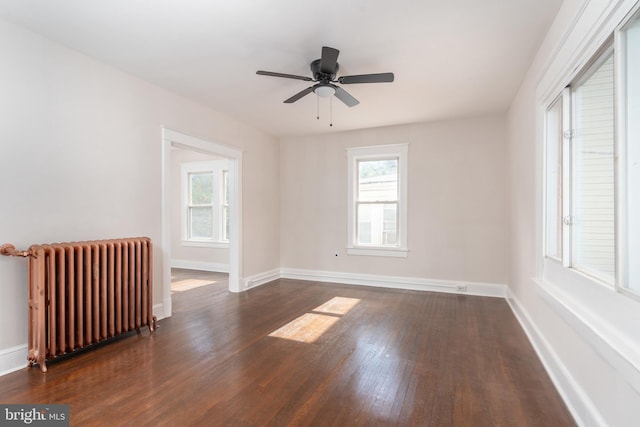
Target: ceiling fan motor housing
{"type": "Point", "coordinates": [318, 75]}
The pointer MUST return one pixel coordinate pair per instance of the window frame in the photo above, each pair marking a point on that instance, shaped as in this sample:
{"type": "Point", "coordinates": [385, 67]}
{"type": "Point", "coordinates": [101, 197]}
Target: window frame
{"type": "Point", "coordinates": [599, 58]}
{"type": "Point", "coordinates": [217, 168]}
{"type": "Point", "coordinates": [224, 206]}
{"type": "Point", "coordinates": [380, 152]}
{"type": "Point", "coordinates": [567, 261]}
{"type": "Point", "coordinates": [561, 271]}
{"type": "Point", "coordinates": [622, 143]}
{"type": "Point", "coordinates": [560, 186]}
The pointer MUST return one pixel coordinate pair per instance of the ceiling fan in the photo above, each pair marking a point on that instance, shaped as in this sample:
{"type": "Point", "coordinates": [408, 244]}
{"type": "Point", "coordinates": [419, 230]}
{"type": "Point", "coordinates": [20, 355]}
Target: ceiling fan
{"type": "Point", "coordinates": [324, 72]}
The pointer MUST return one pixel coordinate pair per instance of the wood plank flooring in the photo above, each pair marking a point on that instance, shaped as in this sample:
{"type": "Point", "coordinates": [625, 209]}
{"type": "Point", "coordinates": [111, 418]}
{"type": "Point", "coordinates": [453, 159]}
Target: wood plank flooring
{"type": "Point", "coordinates": [395, 358]}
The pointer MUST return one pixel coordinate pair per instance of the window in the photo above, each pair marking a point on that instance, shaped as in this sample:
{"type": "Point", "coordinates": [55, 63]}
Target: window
{"type": "Point", "coordinates": [205, 218]}
{"type": "Point", "coordinates": [629, 88]}
{"type": "Point", "coordinates": [377, 211]}
{"type": "Point", "coordinates": [377, 202]}
{"type": "Point", "coordinates": [553, 163]}
{"type": "Point", "coordinates": [585, 131]}
{"type": "Point", "coordinates": [592, 214]}
{"type": "Point", "coordinates": [592, 170]}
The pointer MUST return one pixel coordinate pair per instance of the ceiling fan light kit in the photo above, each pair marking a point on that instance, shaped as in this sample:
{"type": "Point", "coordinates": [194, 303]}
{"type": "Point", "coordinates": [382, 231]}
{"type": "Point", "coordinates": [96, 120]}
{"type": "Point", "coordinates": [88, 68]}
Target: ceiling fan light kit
{"type": "Point", "coordinates": [324, 91]}
{"type": "Point", "coordinates": [325, 71]}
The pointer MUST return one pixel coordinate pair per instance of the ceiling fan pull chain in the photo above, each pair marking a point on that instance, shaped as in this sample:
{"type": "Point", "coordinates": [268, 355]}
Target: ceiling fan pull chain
{"type": "Point", "coordinates": [331, 111]}
{"type": "Point", "coordinates": [318, 107]}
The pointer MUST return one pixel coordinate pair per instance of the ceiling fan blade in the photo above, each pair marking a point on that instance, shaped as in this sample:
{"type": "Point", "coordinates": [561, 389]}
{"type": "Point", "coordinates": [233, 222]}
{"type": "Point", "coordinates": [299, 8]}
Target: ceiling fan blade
{"type": "Point", "coordinates": [286, 76]}
{"type": "Point", "coordinates": [345, 97]}
{"type": "Point", "coordinates": [328, 60]}
{"type": "Point", "coordinates": [367, 78]}
{"type": "Point", "coordinates": [299, 95]}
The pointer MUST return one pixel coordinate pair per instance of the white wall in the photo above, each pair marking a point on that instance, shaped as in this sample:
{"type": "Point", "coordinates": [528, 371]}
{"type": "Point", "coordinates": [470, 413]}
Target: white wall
{"type": "Point", "coordinates": [599, 382]}
{"type": "Point", "coordinates": [81, 159]}
{"type": "Point", "coordinates": [457, 220]}
{"type": "Point", "coordinates": [201, 258]}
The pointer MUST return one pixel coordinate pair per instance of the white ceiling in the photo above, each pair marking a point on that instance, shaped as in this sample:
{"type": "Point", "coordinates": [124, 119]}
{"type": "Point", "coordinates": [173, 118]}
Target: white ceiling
{"type": "Point", "coordinates": [451, 58]}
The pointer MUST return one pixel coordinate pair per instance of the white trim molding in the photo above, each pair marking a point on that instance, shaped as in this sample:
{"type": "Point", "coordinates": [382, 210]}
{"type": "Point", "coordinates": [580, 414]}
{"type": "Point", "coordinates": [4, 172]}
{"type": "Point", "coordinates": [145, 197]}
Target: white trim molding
{"type": "Point", "coordinates": [374, 280]}
{"type": "Point", "coordinates": [388, 252]}
{"type": "Point", "coordinates": [261, 278]}
{"type": "Point", "coordinates": [159, 310]}
{"type": "Point", "coordinates": [172, 138]}
{"type": "Point", "coordinates": [584, 412]}
{"type": "Point", "coordinates": [204, 244]}
{"type": "Point", "coordinates": [618, 349]}
{"type": "Point", "coordinates": [200, 265]}
{"type": "Point", "coordinates": [13, 359]}
{"type": "Point", "coordinates": [397, 282]}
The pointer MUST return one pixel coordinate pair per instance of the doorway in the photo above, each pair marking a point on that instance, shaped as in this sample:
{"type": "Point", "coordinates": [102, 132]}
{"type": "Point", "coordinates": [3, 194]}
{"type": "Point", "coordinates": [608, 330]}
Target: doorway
{"type": "Point", "coordinates": [172, 139]}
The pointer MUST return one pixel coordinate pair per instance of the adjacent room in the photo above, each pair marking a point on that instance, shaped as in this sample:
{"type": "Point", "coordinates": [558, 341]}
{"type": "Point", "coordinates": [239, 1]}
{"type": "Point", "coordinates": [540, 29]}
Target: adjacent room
{"type": "Point", "coordinates": [391, 214]}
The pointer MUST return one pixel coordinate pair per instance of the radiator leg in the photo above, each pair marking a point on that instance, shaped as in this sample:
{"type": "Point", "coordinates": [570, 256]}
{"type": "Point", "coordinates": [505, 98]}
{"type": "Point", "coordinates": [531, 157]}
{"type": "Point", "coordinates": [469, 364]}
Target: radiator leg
{"type": "Point", "coordinates": [37, 357]}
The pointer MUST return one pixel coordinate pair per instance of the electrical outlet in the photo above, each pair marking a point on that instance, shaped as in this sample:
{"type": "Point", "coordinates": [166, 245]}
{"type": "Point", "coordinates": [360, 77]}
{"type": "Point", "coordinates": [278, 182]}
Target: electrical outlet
{"type": "Point", "coordinates": [461, 288]}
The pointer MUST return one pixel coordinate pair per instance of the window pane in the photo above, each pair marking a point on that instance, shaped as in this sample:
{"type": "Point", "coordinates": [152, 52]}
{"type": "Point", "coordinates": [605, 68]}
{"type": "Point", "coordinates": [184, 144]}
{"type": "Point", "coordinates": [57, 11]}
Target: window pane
{"type": "Point", "coordinates": [377, 180]}
{"type": "Point", "coordinates": [553, 163]}
{"type": "Point", "coordinates": [390, 226]}
{"type": "Point", "coordinates": [225, 205]}
{"type": "Point", "coordinates": [377, 224]}
{"type": "Point", "coordinates": [631, 37]}
{"type": "Point", "coordinates": [225, 187]}
{"type": "Point", "coordinates": [201, 188]}
{"type": "Point", "coordinates": [201, 222]}
{"type": "Point", "coordinates": [225, 227]}
{"type": "Point", "coordinates": [593, 174]}
{"type": "Point", "coordinates": [364, 224]}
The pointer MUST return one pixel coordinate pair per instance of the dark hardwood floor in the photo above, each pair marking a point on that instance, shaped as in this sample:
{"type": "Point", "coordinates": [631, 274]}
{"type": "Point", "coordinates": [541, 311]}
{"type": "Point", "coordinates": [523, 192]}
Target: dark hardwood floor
{"type": "Point", "coordinates": [368, 357]}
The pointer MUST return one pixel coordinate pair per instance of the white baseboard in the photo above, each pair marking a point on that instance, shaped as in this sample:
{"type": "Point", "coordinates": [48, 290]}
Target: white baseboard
{"type": "Point", "coordinates": [397, 282]}
{"type": "Point", "coordinates": [579, 404]}
{"type": "Point", "coordinates": [13, 359]}
{"type": "Point", "coordinates": [200, 265]}
{"type": "Point", "coordinates": [393, 282]}
{"type": "Point", "coordinates": [260, 279]}
{"type": "Point", "coordinates": [159, 310]}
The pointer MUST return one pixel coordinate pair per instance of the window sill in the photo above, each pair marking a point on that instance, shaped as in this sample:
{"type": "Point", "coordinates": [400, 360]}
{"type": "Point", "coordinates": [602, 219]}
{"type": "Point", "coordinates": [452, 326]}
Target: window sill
{"type": "Point", "coordinates": [204, 244]}
{"type": "Point", "coordinates": [595, 315]}
{"type": "Point", "coordinates": [378, 251]}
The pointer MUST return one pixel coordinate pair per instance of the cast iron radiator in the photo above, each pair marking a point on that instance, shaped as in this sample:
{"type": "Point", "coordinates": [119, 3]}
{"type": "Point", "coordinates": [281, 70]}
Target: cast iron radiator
{"type": "Point", "coordinates": [83, 293]}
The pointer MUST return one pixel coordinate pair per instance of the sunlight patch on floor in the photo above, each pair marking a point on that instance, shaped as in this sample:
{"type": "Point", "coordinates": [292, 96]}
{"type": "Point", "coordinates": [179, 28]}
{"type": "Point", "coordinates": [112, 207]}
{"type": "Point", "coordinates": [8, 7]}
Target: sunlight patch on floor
{"type": "Point", "coordinates": [337, 305]}
{"type": "Point", "coordinates": [311, 326]}
{"type": "Point", "coordinates": [306, 328]}
{"type": "Point", "coordinates": [187, 284]}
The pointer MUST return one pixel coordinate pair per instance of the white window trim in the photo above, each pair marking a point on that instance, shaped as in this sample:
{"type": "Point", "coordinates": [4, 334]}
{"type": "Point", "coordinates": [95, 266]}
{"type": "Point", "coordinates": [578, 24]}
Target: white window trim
{"type": "Point", "coordinates": [545, 172]}
{"type": "Point", "coordinates": [549, 271]}
{"type": "Point", "coordinates": [547, 264]}
{"type": "Point", "coordinates": [380, 151]}
{"type": "Point", "coordinates": [204, 244]}
{"type": "Point", "coordinates": [606, 316]}
{"type": "Point", "coordinates": [216, 167]}
{"type": "Point", "coordinates": [569, 156]}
